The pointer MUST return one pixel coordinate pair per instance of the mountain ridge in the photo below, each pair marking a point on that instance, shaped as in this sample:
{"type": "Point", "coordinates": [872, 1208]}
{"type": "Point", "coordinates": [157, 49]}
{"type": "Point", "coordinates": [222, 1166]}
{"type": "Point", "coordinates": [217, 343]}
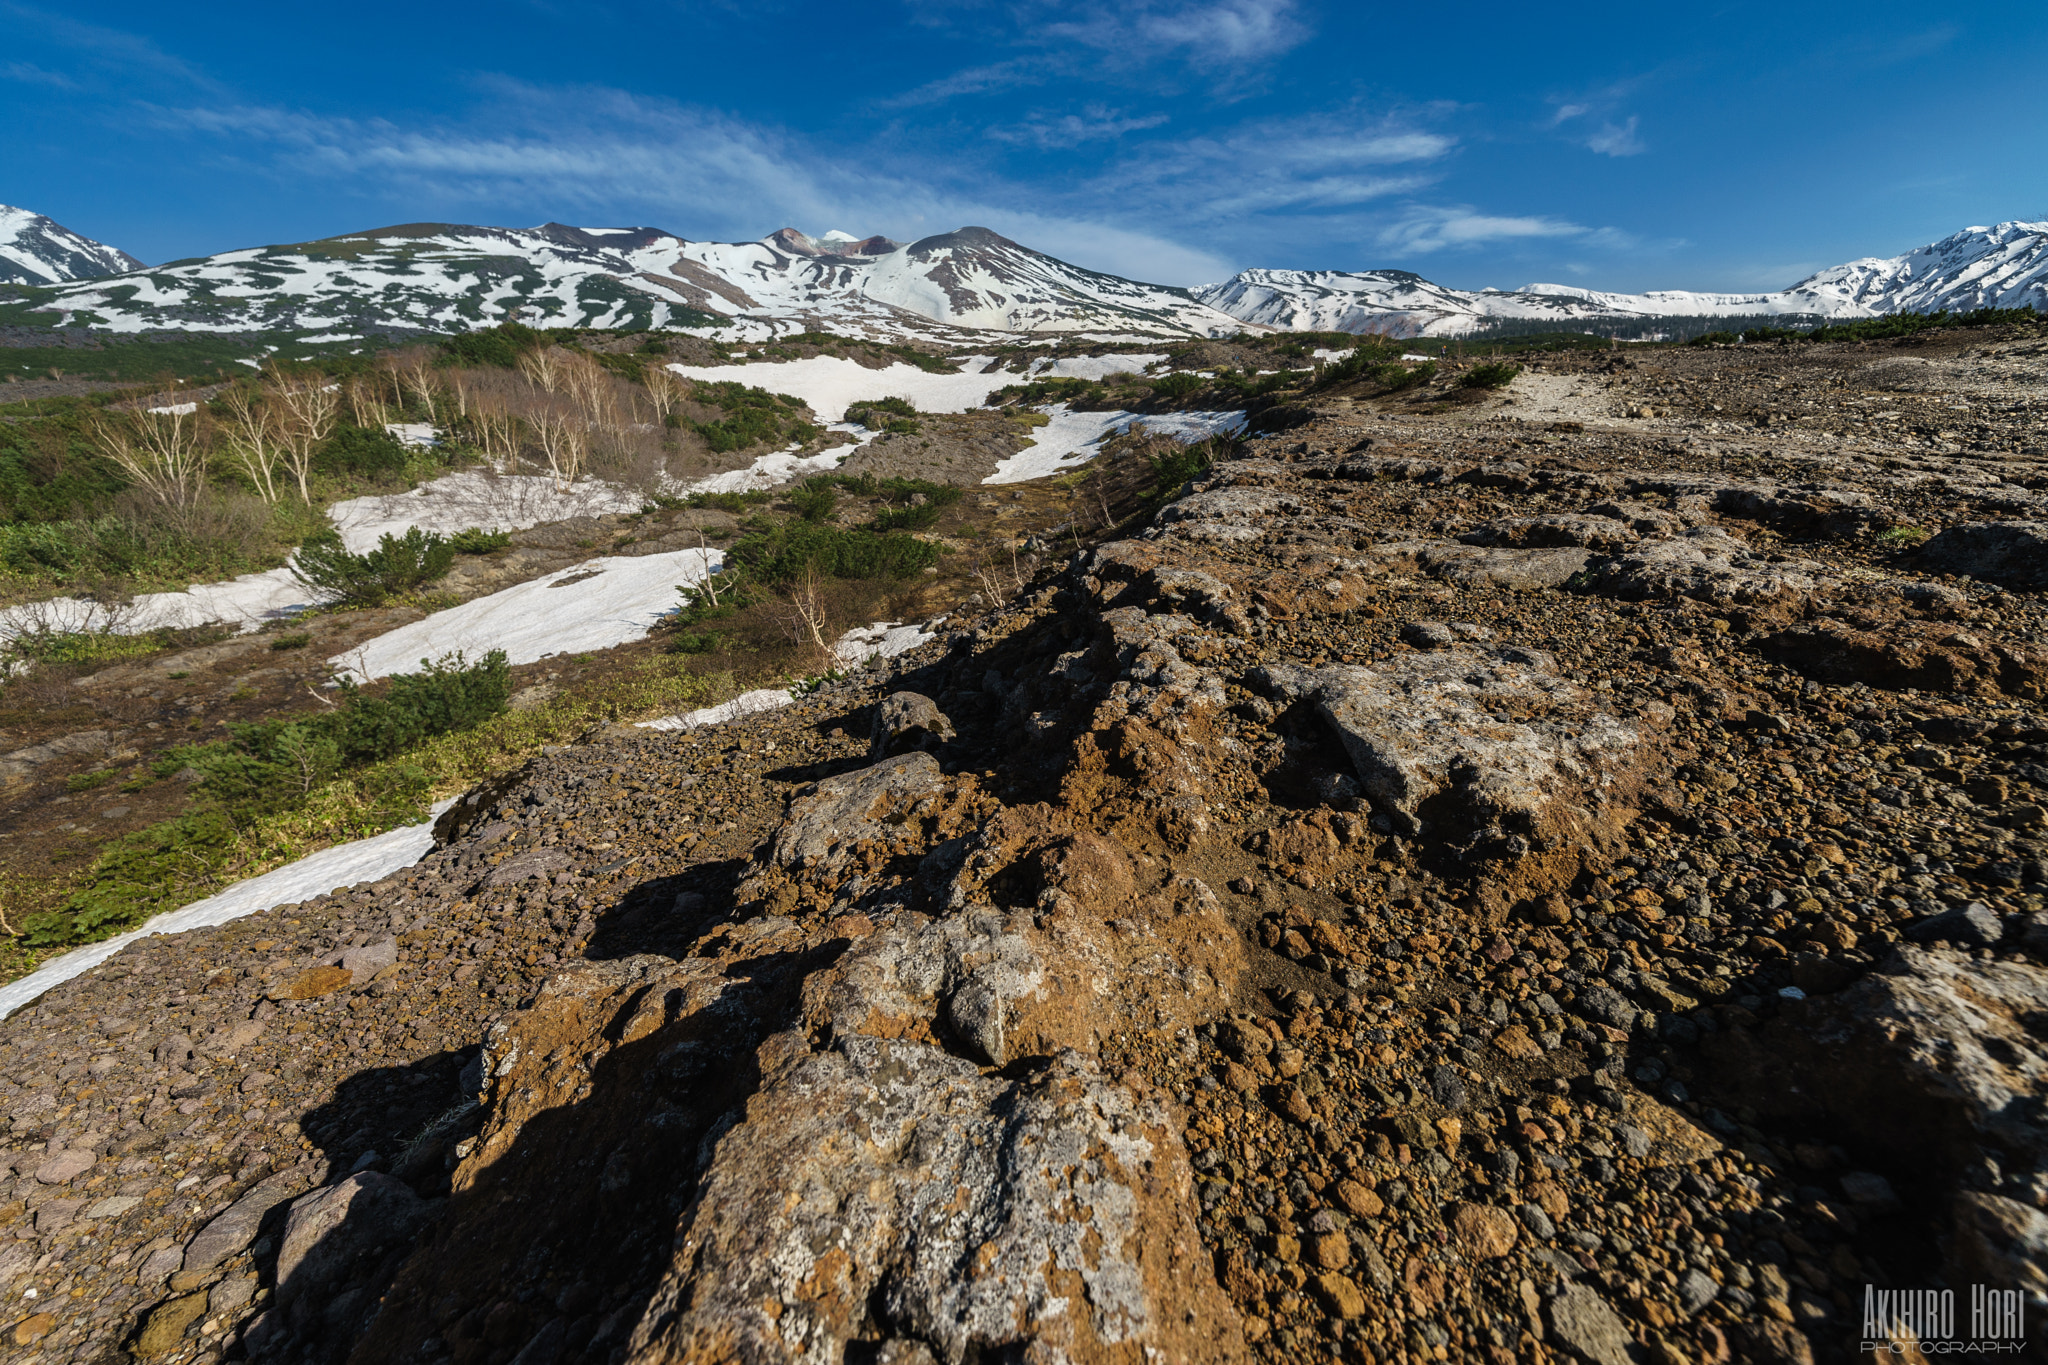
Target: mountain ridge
{"type": "Point", "coordinates": [35, 249]}
{"type": "Point", "coordinates": [951, 288]}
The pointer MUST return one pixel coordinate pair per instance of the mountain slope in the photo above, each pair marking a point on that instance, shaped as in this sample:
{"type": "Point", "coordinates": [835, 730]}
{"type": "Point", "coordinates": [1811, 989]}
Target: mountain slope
{"type": "Point", "coordinates": [1980, 267]}
{"type": "Point", "coordinates": [450, 277]}
{"type": "Point", "coordinates": [35, 250]}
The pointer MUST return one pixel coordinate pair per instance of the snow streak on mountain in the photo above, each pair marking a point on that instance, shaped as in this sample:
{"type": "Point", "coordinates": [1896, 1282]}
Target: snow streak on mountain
{"type": "Point", "coordinates": [1981, 267]}
{"type": "Point", "coordinates": [34, 250]}
{"type": "Point", "coordinates": [448, 277]}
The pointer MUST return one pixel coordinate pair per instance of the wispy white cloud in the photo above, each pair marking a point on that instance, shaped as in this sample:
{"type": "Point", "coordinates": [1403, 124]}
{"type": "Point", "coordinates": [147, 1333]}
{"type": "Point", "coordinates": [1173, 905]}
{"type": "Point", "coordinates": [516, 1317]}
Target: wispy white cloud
{"type": "Point", "coordinates": [699, 172]}
{"type": "Point", "coordinates": [1613, 140]}
{"type": "Point", "coordinates": [29, 74]}
{"type": "Point", "coordinates": [1093, 124]}
{"type": "Point", "coordinates": [1216, 33]}
{"type": "Point", "coordinates": [1422, 229]}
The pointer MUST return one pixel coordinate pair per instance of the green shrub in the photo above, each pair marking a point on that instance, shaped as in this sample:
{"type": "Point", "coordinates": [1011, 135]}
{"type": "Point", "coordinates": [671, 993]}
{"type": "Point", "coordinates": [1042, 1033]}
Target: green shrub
{"type": "Point", "coordinates": [500, 345]}
{"type": "Point", "coordinates": [815, 499]}
{"type": "Point", "coordinates": [476, 541]}
{"type": "Point", "coordinates": [136, 875]}
{"type": "Point", "coordinates": [298, 640]}
{"type": "Point", "coordinates": [1173, 470]}
{"type": "Point", "coordinates": [397, 565]}
{"type": "Point", "coordinates": [79, 646]}
{"type": "Point", "coordinates": [1497, 375]}
{"type": "Point", "coordinates": [447, 694]}
{"type": "Point", "coordinates": [781, 554]}
{"type": "Point", "coordinates": [1178, 384]}
{"type": "Point", "coordinates": [362, 451]}
{"type": "Point", "coordinates": [916, 517]}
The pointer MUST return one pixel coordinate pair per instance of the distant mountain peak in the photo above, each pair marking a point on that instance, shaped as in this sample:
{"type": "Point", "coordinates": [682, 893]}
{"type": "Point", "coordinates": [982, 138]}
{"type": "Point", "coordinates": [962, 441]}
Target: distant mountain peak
{"type": "Point", "coordinates": [36, 250]}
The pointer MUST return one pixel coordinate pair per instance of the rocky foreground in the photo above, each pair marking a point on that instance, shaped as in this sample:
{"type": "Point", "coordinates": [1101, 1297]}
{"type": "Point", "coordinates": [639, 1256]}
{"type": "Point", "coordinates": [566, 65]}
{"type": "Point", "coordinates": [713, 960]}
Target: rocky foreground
{"type": "Point", "coordinates": [1434, 891]}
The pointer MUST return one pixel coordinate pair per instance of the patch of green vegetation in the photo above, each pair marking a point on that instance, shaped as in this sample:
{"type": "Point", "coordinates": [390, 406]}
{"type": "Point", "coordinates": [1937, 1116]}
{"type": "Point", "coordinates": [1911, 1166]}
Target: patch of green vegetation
{"type": "Point", "coordinates": [500, 346]}
{"type": "Point", "coordinates": [397, 566]}
{"type": "Point", "coordinates": [1179, 384]}
{"type": "Point", "coordinates": [1904, 535]}
{"type": "Point", "coordinates": [1175, 469]}
{"type": "Point", "coordinates": [815, 499]}
{"type": "Point", "coordinates": [895, 415]}
{"type": "Point", "coordinates": [752, 416]}
{"type": "Point", "coordinates": [1496, 375]}
{"type": "Point", "coordinates": [1055, 390]}
{"type": "Point", "coordinates": [295, 640]}
{"type": "Point", "coordinates": [1891, 326]}
{"type": "Point", "coordinates": [780, 555]}
{"type": "Point", "coordinates": [476, 541]}
{"type": "Point", "coordinates": [51, 646]}
{"type": "Point", "coordinates": [366, 452]}
{"type": "Point", "coordinates": [277, 790]}
{"type": "Point", "coordinates": [85, 782]}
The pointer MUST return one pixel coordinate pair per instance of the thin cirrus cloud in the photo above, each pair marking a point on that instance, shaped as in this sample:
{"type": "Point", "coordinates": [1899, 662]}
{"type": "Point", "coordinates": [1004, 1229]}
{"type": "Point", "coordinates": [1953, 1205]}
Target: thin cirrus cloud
{"type": "Point", "coordinates": [696, 172]}
{"type": "Point", "coordinates": [1218, 37]}
{"type": "Point", "coordinates": [1424, 229]}
{"type": "Point", "coordinates": [1617, 140]}
{"type": "Point", "coordinates": [1094, 124]}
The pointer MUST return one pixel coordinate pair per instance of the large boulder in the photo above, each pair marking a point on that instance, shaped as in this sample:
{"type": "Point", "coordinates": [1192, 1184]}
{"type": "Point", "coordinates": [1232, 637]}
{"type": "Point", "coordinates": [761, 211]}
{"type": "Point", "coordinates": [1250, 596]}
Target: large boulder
{"type": "Point", "coordinates": [2014, 553]}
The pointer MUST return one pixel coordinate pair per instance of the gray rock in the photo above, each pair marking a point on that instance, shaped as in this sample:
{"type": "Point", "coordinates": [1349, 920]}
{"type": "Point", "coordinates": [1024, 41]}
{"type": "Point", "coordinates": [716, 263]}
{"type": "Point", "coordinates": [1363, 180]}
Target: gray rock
{"type": "Point", "coordinates": [231, 1295]}
{"type": "Point", "coordinates": [1605, 1005]}
{"type": "Point", "coordinates": [1634, 1141]}
{"type": "Point", "coordinates": [1696, 1289]}
{"type": "Point", "coordinates": [1516, 570]}
{"type": "Point", "coordinates": [907, 721]}
{"type": "Point", "coordinates": [2011, 552]}
{"type": "Point", "coordinates": [1868, 1187]}
{"type": "Point", "coordinates": [365, 962]}
{"type": "Point", "coordinates": [1556, 531]}
{"type": "Point", "coordinates": [1583, 1323]}
{"type": "Point", "coordinates": [1429, 730]}
{"type": "Point", "coordinates": [1709, 565]}
{"type": "Point", "coordinates": [230, 1234]}
{"type": "Point", "coordinates": [330, 1230]}
{"type": "Point", "coordinates": [1975, 925]}
{"type": "Point", "coordinates": [825, 824]}
{"type": "Point", "coordinates": [1537, 1221]}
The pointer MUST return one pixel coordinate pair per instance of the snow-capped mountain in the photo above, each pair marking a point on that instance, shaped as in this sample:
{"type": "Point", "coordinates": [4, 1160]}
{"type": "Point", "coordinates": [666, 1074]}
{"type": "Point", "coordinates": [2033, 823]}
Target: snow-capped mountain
{"type": "Point", "coordinates": [448, 277]}
{"type": "Point", "coordinates": [35, 250]}
{"type": "Point", "coordinates": [1980, 267]}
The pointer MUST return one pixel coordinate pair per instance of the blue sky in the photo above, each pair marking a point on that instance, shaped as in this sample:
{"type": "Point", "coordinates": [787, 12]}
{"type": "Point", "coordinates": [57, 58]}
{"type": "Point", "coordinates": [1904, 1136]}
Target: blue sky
{"type": "Point", "coordinates": [1732, 146]}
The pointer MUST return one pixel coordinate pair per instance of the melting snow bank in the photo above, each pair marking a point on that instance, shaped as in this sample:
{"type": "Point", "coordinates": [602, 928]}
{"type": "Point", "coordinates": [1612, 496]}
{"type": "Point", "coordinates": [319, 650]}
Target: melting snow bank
{"type": "Point", "coordinates": [365, 860]}
{"type": "Point", "coordinates": [829, 382]}
{"type": "Point", "coordinates": [883, 639]}
{"type": "Point", "coordinates": [1074, 438]}
{"type": "Point", "coordinates": [246, 602]}
{"type": "Point", "coordinates": [745, 704]}
{"type": "Point", "coordinates": [767, 471]}
{"type": "Point", "coordinates": [593, 605]}
{"type": "Point", "coordinates": [479, 498]}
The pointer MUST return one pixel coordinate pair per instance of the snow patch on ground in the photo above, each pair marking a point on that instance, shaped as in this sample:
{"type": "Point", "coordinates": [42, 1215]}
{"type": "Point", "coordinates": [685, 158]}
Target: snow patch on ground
{"type": "Point", "coordinates": [475, 498]}
{"type": "Point", "coordinates": [883, 639]}
{"type": "Point", "coordinates": [1091, 366]}
{"type": "Point", "coordinates": [593, 605]}
{"type": "Point", "coordinates": [767, 471]}
{"type": "Point", "coordinates": [365, 860]}
{"type": "Point", "coordinates": [745, 704]}
{"type": "Point", "coordinates": [1074, 438]}
{"type": "Point", "coordinates": [828, 383]}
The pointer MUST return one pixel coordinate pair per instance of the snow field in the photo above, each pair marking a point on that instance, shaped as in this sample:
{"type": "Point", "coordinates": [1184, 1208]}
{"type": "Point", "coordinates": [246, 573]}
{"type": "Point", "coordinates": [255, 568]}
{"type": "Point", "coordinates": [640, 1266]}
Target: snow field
{"type": "Point", "coordinates": [593, 605]}
{"type": "Point", "coordinates": [365, 860]}
{"type": "Point", "coordinates": [1074, 438]}
{"type": "Point", "coordinates": [828, 383]}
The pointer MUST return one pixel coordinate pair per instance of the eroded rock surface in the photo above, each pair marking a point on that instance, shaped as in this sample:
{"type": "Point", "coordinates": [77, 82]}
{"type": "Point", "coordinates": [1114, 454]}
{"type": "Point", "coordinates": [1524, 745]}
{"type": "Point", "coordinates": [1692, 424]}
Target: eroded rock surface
{"type": "Point", "coordinates": [1447, 886]}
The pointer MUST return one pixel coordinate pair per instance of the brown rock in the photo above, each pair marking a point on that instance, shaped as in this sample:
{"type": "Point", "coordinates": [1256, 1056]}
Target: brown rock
{"type": "Point", "coordinates": [34, 1328]}
{"type": "Point", "coordinates": [1330, 1250]}
{"type": "Point", "coordinates": [1483, 1230]}
{"type": "Point", "coordinates": [1239, 1079]}
{"type": "Point", "coordinates": [1286, 1249]}
{"type": "Point", "coordinates": [66, 1166]}
{"type": "Point", "coordinates": [315, 982]}
{"type": "Point", "coordinates": [1297, 1107]}
{"type": "Point", "coordinates": [165, 1327]}
{"type": "Point", "coordinates": [1340, 1295]}
{"type": "Point", "coordinates": [1359, 1201]}
{"type": "Point", "coordinates": [1515, 1041]}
